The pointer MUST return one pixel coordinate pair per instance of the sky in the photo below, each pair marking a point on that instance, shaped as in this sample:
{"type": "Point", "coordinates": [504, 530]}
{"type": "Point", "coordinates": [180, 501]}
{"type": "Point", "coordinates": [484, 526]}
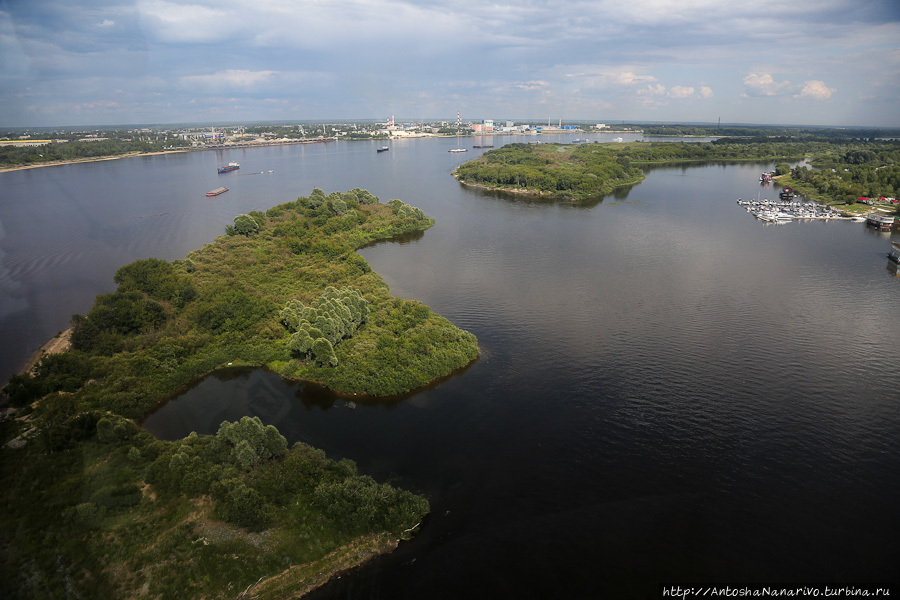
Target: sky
{"type": "Point", "coordinates": [108, 62]}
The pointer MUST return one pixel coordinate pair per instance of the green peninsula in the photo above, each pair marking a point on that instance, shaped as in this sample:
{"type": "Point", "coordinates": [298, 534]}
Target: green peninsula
{"type": "Point", "coordinates": [94, 506]}
{"type": "Point", "coordinates": [839, 170]}
{"type": "Point", "coordinates": [169, 323]}
{"type": "Point", "coordinates": [581, 171]}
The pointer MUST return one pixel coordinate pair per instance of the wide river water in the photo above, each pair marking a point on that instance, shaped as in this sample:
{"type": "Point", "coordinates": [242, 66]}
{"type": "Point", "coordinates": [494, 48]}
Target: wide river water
{"type": "Point", "coordinates": [669, 390]}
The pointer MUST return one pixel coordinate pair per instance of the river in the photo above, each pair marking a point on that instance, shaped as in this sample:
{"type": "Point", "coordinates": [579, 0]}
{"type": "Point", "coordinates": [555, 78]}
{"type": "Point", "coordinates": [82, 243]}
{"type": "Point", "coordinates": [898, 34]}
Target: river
{"type": "Point", "coordinates": [669, 389]}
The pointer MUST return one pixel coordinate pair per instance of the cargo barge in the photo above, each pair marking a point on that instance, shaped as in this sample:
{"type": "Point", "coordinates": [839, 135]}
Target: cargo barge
{"type": "Point", "coordinates": [232, 166]}
{"type": "Point", "coordinates": [217, 191]}
{"type": "Point", "coordinates": [382, 149]}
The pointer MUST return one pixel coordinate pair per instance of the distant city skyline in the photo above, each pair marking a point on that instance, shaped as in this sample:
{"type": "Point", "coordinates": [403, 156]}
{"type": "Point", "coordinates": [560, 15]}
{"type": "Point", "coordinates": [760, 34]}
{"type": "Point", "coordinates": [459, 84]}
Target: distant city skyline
{"type": "Point", "coordinates": [112, 62]}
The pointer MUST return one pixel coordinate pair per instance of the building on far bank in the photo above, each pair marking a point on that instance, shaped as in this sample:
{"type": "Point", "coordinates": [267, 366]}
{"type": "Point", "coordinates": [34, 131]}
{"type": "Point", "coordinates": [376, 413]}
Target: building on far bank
{"type": "Point", "coordinates": [22, 143]}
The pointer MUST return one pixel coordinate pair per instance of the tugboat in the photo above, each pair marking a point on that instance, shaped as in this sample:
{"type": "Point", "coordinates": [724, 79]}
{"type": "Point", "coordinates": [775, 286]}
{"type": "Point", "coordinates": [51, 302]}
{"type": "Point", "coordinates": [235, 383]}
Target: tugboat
{"type": "Point", "coordinates": [232, 166]}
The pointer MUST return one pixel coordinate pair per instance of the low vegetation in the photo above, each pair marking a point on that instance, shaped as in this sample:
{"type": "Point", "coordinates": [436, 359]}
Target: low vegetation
{"type": "Point", "coordinates": [93, 506]}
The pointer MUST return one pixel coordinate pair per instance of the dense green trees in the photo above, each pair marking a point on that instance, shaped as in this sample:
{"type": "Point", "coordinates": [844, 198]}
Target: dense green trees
{"type": "Point", "coordinates": [107, 497]}
{"type": "Point", "coordinates": [317, 328]}
{"type": "Point", "coordinates": [574, 172]}
{"type": "Point", "coordinates": [251, 441]}
{"type": "Point", "coordinates": [243, 225]}
{"type": "Point", "coordinates": [846, 169]}
{"type": "Point", "coordinates": [841, 173]}
{"type": "Point", "coordinates": [57, 151]}
{"type": "Point", "coordinates": [167, 323]}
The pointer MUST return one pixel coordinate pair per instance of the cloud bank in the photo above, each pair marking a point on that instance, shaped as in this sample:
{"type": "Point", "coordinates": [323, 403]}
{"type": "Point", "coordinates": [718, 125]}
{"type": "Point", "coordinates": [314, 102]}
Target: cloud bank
{"type": "Point", "coordinates": [163, 61]}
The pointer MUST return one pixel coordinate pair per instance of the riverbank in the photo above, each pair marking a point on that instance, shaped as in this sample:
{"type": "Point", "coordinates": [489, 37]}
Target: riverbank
{"type": "Point", "coordinates": [56, 345]}
{"type": "Point", "coordinates": [56, 163]}
{"type": "Point", "coordinates": [75, 161]}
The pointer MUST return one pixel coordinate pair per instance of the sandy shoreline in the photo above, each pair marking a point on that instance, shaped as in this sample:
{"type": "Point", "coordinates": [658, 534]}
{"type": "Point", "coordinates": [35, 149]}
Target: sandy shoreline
{"type": "Point", "coordinates": [56, 345]}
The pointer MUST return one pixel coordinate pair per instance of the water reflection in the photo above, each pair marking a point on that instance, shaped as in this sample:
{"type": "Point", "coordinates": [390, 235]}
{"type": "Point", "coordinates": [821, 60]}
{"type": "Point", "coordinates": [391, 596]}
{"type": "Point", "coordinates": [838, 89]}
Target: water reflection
{"type": "Point", "coordinates": [231, 393]}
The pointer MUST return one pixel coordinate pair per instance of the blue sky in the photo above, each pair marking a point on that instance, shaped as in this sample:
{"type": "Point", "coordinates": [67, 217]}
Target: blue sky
{"type": "Point", "coordinates": [104, 62]}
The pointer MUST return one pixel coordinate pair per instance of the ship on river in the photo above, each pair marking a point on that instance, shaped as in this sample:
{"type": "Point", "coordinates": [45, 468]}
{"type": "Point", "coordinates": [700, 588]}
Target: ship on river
{"type": "Point", "coordinates": [232, 166]}
{"type": "Point", "coordinates": [217, 191]}
{"type": "Point", "coordinates": [879, 220]}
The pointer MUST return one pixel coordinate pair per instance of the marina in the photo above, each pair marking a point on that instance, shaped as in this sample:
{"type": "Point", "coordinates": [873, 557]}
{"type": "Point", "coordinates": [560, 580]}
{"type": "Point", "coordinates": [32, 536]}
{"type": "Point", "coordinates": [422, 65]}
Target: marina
{"type": "Point", "coordinates": [780, 211]}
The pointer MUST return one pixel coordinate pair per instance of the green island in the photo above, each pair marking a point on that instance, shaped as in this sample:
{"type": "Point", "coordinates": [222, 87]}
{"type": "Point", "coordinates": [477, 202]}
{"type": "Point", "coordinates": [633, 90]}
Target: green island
{"type": "Point", "coordinates": [97, 507]}
{"type": "Point", "coordinates": [839, 171]}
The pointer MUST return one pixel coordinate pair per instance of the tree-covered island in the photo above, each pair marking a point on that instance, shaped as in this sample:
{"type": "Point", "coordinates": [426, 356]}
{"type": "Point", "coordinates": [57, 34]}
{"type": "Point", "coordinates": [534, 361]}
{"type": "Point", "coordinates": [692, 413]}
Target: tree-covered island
{"type": "Point", "coordinates": [95, 507]}
{"type": "Point", "coordinates": [840, 171]}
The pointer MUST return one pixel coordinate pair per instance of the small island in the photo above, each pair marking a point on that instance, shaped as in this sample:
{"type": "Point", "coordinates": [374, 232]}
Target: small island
{"type": "Point", "coordinates": [851, 173]}
{"type": "Point", "coordinates": [93, 502]}
{"type": "Point", "coordinates": [579, 172]}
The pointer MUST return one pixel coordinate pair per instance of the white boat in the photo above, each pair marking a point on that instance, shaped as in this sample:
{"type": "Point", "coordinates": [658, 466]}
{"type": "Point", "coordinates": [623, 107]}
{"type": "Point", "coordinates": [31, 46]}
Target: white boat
{"type": "Point", "coordinates": [458, 123]}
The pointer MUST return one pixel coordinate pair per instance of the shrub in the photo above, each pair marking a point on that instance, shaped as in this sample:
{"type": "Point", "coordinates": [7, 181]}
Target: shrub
{"type": "Point", "coordinates": [245, 225]}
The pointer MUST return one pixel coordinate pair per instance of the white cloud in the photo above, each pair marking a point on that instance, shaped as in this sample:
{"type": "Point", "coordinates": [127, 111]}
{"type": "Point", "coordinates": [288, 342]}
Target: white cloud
{"type": "Point", "coordinates": [763, 84]}
{"type": "Point", "coordinates": [106, 23]}
{"type": "Point", "coordinates": [653, 90]}
{"type": "Point", "coordinates": [817, 90]}
{"type": "Point", "coordinates": [532, 85]}
{"type": "Point", "coordinates": [232, 78]}
{"type": "Point", "coordinates": [190, 23]}
{"type": "Point", "coordinates": [608, 78]}
{"type": "Point", "coordinates": [660, 91]}
{"type": "Point", "coordinates": [681, 92]}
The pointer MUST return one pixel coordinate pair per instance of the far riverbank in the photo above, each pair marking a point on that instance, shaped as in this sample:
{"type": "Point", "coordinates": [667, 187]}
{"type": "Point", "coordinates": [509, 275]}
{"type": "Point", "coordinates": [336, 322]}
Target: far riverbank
{"type": "Point", "coordinates": [55, 163]}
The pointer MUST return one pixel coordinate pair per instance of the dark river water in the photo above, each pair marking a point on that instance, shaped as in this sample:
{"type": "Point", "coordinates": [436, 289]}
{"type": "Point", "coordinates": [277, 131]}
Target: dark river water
{"type": "Point", "coordinates": [669, 390]}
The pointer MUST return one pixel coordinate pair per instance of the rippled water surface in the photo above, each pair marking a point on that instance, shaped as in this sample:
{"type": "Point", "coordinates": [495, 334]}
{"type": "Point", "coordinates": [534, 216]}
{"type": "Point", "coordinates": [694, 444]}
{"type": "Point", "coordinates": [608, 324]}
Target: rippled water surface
{"type": "Point", "coordinates": [669, 390]}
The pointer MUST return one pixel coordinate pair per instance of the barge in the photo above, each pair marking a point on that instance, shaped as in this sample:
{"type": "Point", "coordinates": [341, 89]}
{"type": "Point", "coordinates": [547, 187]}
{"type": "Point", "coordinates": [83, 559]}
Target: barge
{"type": "Point", "coordinates": [217, 191]}
{"type": "Point", "coordinates": [894, 254]}
{"type": "Point", "coordinates": [879, 220]}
